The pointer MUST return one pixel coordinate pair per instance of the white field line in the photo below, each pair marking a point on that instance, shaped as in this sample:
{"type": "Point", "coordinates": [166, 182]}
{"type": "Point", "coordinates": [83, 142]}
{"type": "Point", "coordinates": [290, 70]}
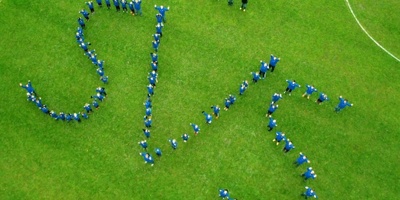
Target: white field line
{"type": "Point", "coordinates": [365, 31]}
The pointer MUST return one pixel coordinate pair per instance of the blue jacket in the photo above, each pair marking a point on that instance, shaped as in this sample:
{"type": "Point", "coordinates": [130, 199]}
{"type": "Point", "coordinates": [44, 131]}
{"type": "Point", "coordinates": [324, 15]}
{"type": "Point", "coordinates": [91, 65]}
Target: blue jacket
{"type": "Point", "coordinates": [292, 85]}
{"type": "Point", "coordinates": [273, 61]}
{"type": "Point", "coordinates": [310, 89]}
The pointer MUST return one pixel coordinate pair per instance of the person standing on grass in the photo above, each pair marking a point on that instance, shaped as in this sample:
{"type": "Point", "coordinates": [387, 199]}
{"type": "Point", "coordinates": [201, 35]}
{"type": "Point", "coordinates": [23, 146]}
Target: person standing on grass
{"type": "Point", "coordinates": [154, 65]}
{"type": "Point", "coordinates": [185, 137]}
{"type": "Point", "coordinates": [291, 86]}
{"type": "Point", "coordinates": [288, 145]}
{"type": "Point", "coordinates": [28, 87]}
{"type": "Point", "coordinates": [85, 14]}
{"type": "Point", "coordinates": [91, 7]}
{"type": "Point", "coordinates": [132, 8]}
{"type": "Point", "coordinates": [309, 174]}
{"type": "Point", "coordinates": [138, 7]}
{"type": "Point", "coordinates": [148, 113]}
{"type": "Point", "coordinates": [159, 18]}
{"type": "Point", "coordinates": [123, 5]}
{"type": "Point", "coordinates": [230, 2]}
{"type": "Point", "coordinates": [68, 117]}
{"type": "Point", "coordinates": [216, 110]}
{"type": "Point", "coordinates": [263, 69]}
{"type": "Point", "coordinates": [309, 193]}
{"type": "Point", "coordinates": [143, 144]}
{"type": "Point", "coordinates": [95, 104]}
{"type": "Point", "coordinates": [84, 46]}
{"type": "Point", "coordinates": [271, 109]}
{"type": "Point", "coordinates": [256, 76]}
{"type": "Point", "coordinates": [156, 37]}
{"type": "Point", "coordinates": [146, 132]}
{"type": "Point", "coordinates": [158, 152]}
{"type": "Point", "coordinates": [162, 10]}
{"type": "Point", "coordinates": [208, 117]}
{"type": "Point", "coordinates": [271, 124]}
{"type": "Point", "coordinates": [53, 115]}
{"type": "Point", "coordinates": [99, 3]}
{"type": "Point", "coordinates": [147, 158]}
{"type": "Point", "coordinates": [87, 108]}
{"type": "Point", "coordinates": [245, 83]}
{"type": "Point", "coordinates": [322, 97]}
{"type": "Point", "coordinates": [159, 27]}
{"type": "Point", "coordinates": [61, 116]}
{"type": "Point", "coordinates": [81, 23]}
{"type": "Point", "coordinates": [100, 72]}
{"type": "Point", "coordinates": [147, 122]}
{"type": "Point", "coordinates": [76, 117]}
{"type": "Point", "coordinates": [244, 5]}
{"type": "Point", "coordinates": [227, 104]}
{"type": "Point", "coordinates": [108, 4]}
{"type": "Point", "coordinates": [116, 4]}
{"type": "Point", "coordinates": [279, 136]}
{"type": "Point", "coordinates": [242, 89]}
{"type": "Point", "coordinates": [272, 62]}
{"type": "Point", "coordinates": [104, 79]}
{"type": "Point", "coordinates": [310, 89]}
{"type": "Point", "coordinates": [301, 159]}
{"type": "Point", "coordinates": [38, 102]}
{"type": "Point", "coordinates": [276, 97]}
{"type": "Point", "coordinates": [150, 90]}
{"type": "Point", "coordinates": [152, 81]}
{"type": "Point", "coordinates": [224, 193]}
{"type": "Point", "coordinates": [147, 103]}
{"type": "Point", "coordinates": [44, 109]}
{"type": "Point", "coordinates": [232, 99]}
{"type": "Point", "coordinates": [154, 57]}
{"type": "Point", "coordinates": [174, 143]}
{"type": "Point", "coordinates": [155, 46]}
{"type": "Point", "coordinates": [101, 90]}
{"type": "Point", "coordinates": [196, 128]}
{"type": "Point", "coordinates": [98, 96]}
{"type": "Point", "coordinates": [342, 104]}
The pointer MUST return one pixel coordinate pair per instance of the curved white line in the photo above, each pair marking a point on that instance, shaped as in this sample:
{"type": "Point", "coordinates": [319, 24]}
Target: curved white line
{"type": "Point", "coordinates": [365, 31]}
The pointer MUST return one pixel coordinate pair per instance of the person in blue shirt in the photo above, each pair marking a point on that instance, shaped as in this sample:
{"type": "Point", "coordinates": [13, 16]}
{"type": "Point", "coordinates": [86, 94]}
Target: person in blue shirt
{"type": "Point", "coordinates": [147, 122]}
{"type": "Point", "coordinates": [185, 137]}
{"type": "Point", "coordinates": [87, 108]}
{"type": "Point", "coordinates": [224, 193]}
{"type": "Point", "coordinates": [104, 79]}
{"type": "Point", "coordinates": [245, 83]}
{"type": "Point", "coordinates": [232, 99]}
{"type": "Point", "coordinates": [68, 117]}
{"type": "Point", "coordinates": [174, 143]}
{"type": "Point", "coordinates": [256, 76]}
{"type": "Point", "coordinates": [154, 57]}
{"type": "Point", "coordinates": [138, 7]}
{"type": "Point", "coordinates": [271, 109]}
{"type": "Point", "coordinates": [158, 152]}
{"type": "Point", "coordinates": [155, 46]}
{"type": "Point", "coordinates": [98, 96]}
{"type": "Point", "coordinates": [263, 69]}
{"type": "Point", "coordinates": [310, 89]}
{"type": "Point", "coordinates": [322, 97]}
{"type": "Point", "coordinates": [84, 115]}
{"type": "Point", "coordinates": [343, 103]}
{"type": "Point", "coordinates": [147, 158]}
{"type": "Point", "coordinates": [271, 124]}
{"type": "Point", "coordinates": [61, 116]}
{"type": "Point", "coordinates": [152, 81]}
{"type": "Point", "coordinates": [132, 8]}
{"type": "Point", "coordinates": [95, 104]}
{"type": "Point", "coordinates": [216, 110]}
{"type": "Point", "coordinates": [147, 103]}
{"type": "Point", "coordinates": [227, 104]}
{"type": "Point", "coordinates": [99, 3]}
{"type": "Point", "coordinates": [84, 46]}
{"type": "Point", "coordinates": [108, 4]}
{"type": "Point", "coordinates": [85, 14]}
{"type": "Point", "coordinates": [276, 97]}
{"type": "Point", "coordinates": [44, 109]}
{"type": "Point", "coordinates": [208, 117]}
{"type": "Point", "coordinates": [150, 90]}
{"type": "Point", "coordinates": [91, 7]}
{"type": "Point", "coordinates": [53, 115]}
{"type": "Point", "coordinates": [93, 58]}
{"type": "Point", "coordinates": [279, 136]}
{"type": "Point", "coordinates": [148, 112]}
{"type": "Point", "coordinates": [76, 117]}
{"type": "Point", "coordinates": [196, 128]}
{"type": "Point", "coordinates": [291, 86]}
{"type": "Point", "coordinates": [309, 193]}
{"type": "Point", "coordinates": [272, 62]}
{"type": "Point", "coordinates": [159, 18]}
{"type": "Point", "coordinates": [242, 89]}
{"type": "Point", "coordinates": [100, 64]}
{"type": "Point", "coordinates": [159, 27]}
{"type": "Point", "coordinates": [123, 5]}
{"type": "Point", "coordinates": [156, 37]}
{"type": "Point", "coordinates": [28, 87]}
{"type": "Point", "coordinates": [154, 65]}
{"type": "Point", "coordinates": [146, 132]}
{"type": "Point", "coordinates": [143, 144]}
{"type": "Point", "coordinates": [100, 72]}
{"type": "Point", "coordinates": [81, 22]}
{"type": "Point", "coordinates": [309, 174]}
{"type": "Point", "coordinates": [288, 145]}
{"type": "Point", "coordinates": [301, 159]}
{"type": "Point", "coordinates": [38, 102]}
{"type": "Point", "coordinates": [101, 90]}
{"type": "Point", "coordinates": [162, 10]}
{"type": "Point", "coordinates": [30, 97]}
{"type": "Point", "coordinates": [116, 4]}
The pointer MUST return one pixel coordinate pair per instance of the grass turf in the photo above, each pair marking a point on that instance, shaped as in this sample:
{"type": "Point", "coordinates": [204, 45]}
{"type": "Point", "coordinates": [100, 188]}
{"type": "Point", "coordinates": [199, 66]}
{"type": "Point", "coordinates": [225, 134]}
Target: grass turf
{"type": "Point", "coordinates": [207, 49]}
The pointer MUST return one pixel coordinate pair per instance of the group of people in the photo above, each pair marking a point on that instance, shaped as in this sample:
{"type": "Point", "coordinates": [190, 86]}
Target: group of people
{"type": "Point", "coordinates": [134, 6]}
{"type": "Point", "coordinates": [67, 117]}
{"type": "Point", "coordinates": [152, 78]}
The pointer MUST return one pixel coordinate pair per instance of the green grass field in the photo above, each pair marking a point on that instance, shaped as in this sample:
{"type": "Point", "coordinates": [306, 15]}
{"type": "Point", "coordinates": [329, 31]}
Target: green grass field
{"type": "Point", "coordinates": [207, 50]}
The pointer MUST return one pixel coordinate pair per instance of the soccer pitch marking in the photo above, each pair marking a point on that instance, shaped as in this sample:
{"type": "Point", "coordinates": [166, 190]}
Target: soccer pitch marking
{"type": "Point", "coordinates": [365, 31]}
